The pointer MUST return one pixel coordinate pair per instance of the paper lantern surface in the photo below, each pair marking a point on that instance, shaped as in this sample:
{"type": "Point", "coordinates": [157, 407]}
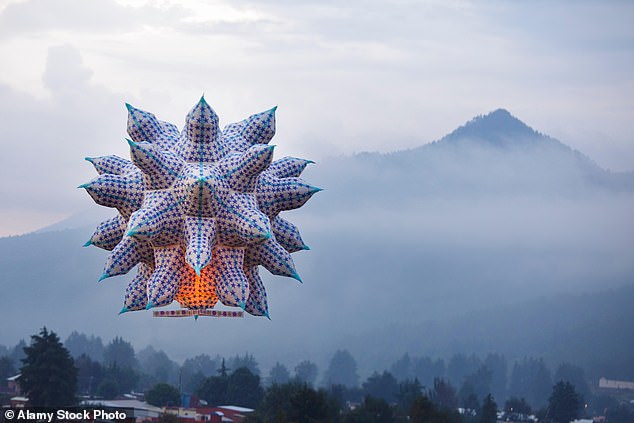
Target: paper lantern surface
{"type": "Point", "coordinates": [198, 211]}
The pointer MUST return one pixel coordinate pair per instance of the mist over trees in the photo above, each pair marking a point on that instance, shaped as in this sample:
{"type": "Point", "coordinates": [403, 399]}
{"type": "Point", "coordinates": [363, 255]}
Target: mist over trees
{"type": "Point", "coordinates": [465, 383]}
{"type": "Point", "coordinates": [520, 384]}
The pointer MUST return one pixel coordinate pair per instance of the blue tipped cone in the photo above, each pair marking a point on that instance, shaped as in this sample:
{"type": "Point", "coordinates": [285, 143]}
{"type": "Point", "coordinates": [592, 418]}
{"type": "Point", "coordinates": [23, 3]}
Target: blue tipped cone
{"type": "Point", "coordinates": [124, 310]}
{"type": "Point", "coordinates": [266, 314]}
{"type": "Point", "coordinates": [149, 305]}
{"type": "Point", "coordinates": [89, 159]}
{"type": "Point", "coordinates": [305, 247]}
{"type": "Point", "coordinates": [131, 143]}
{"type": "Point", "coordinates": [104, 276]}
{"type": "Point", "coordinates": [242, 305]}
{"type": "Point", "coordinates": [197, 269]}
{"type": "Point", "coordinates": [129, 107]}
{"type": "Point", "coordinates": [296, 277]}
{"type": "Point", "coordinates": [88, 243]}
{"type": "Point", "coordinates": [195, 317]}
{"type": "Point", "coordinates": [86, 185]}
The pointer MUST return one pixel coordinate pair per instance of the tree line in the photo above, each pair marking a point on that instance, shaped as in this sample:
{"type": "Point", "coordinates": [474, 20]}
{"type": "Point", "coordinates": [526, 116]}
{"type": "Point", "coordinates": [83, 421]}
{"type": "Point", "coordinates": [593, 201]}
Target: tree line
{"type": "Point", "coordinates": [412, 386]}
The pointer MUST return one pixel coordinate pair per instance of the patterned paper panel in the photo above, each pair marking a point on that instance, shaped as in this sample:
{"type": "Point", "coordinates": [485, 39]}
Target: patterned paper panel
{"type": "Point", "coordinates": [241, 170]}
{"type": "Point", "coordinates": [136, 292]}
{"type": "Point", "coordinates": [257, 304]}
{"type": "Point", "coordinates": [109, 233]}
{"type": "Point", "coordinates": [113, 165]}
{"type": "Point", "coordinates": [278, 194]}
{"type": "Point", "coordinates": [123, 192]}
{"type": "Point", "coordinates": [288, 167]}
{"type": "Point", "coordinates": [200, 233]}
{"type": "Point", "coordinates": [166, 278]}
{"type": "Point", "coordinates": [127, 254]}
{"type": "Point", "coordinates": [256, 129]}
{"type": "Point", "coordinates": [232, 286]}
{"type": "Point", "coordinates": [160, 168]}
{"type": "Point", "coordinates": [273, 257]}
{"type": "Point", "coordinates": [145, 127]}
{"type": "Point", "coordinates": [201, 140]}
{"type": "Point", "coordinates": [160, 219]}
{"type": "Point", "coordinates": [287, 235]}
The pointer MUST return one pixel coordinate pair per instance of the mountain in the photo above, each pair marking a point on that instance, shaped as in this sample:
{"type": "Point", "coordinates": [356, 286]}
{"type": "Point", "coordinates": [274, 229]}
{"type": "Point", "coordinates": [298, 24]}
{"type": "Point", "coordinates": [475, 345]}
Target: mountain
{"type": "Point", "coordinates": [491, 155]}
{"type": "Point", "coordinates": [499, 129]}
{"type": "Point", "coordinates": [459, 232]}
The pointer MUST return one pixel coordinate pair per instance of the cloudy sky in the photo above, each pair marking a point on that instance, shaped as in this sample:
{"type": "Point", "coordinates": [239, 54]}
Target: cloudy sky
{"type": "Point", "coordinates": [347, 77]}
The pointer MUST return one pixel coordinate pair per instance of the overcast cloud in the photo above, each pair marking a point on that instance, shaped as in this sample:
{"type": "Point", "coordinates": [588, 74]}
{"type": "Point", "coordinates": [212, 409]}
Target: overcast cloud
{"type": "Point", "coordinates": [346, 77]}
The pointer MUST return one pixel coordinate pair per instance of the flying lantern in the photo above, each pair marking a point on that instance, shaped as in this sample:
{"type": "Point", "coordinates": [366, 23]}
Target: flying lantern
{"type": "Point", "coordinates": [198, 212]}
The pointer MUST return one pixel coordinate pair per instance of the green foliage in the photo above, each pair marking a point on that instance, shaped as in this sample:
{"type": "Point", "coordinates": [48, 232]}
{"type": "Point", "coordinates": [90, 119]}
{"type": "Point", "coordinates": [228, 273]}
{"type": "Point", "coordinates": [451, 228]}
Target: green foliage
{"type": "Point", "coordinates": [49, 377]}
{"type": "Point", "coordinates": [383, 386]}
{"type": "Point", "coordinates": [488, 412]}
{"type": "Point", "coordinates": [342, 370]}
{"type": "Point", "coordinates": [372, 410]}
{"type": "Point", "coordinates": [402, 368]}
{"type": "Point", "coordinates": [297, 403]}
{"type": "Point", "coordinates": [158, 365]}
{"type": "Point", "coordinates": [408, 391]}
{"type": "Point", "coordinates": [241, 388]}
{"type": "Point", "coordinates": [460, 366]}
{"type": "Point", "coordinates": [576, 376]}
{"type": "Point", "coordinates": [163, 394]}
{"type": "Point", "coordinates": [621, 413]}
{"type": "Point", "coordinates": [248, 361]}
{"type": "Point", "coordinates": [214, 390]}
{"type": "Point", "coordinates": [79, 343]}
{"type": "Point", "coordinates": [195, 370]}
{"type": "Point", "coordinates": [497, 364]}
{"type": "Point", "coordinates": [89, 374]}
{"type": "Point", "coordinates": [517, 405]}
{"type": "Point", "coordinates": [306, 372]}
{"type": "Point", "coordinates": [426, 370]}
{"type": "Point", "coordinates": [120, 353]}
{"type": "Point", "coordinates": [478, 383]}
{"type": "Point", "coordinates": [343, 394]}
{"type": "Point", "coordinates": [531, 379]}
{"type": "Point", "coordinates": [6, 368]}
{"type": "Point", "coordinates": [193, 382]}
{"type": "Point", "coordinates": [423, 410]}
{"type": "Point", "coordinates": [108, 388]}
{"type": "Point", "coordinates": [564, 403]}
{"type": "Point", "coordinates": [279, 374]}
{"type": "Point", "coordinates": [117, 380]}
{"type": "Point", "coordinates": [443, 394]}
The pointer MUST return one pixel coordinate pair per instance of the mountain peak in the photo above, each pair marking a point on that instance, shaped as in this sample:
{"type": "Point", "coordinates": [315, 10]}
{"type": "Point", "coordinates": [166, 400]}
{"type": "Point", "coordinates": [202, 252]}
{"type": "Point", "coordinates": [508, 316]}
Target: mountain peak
{"type": "Point", "coordinates": [498, 127]}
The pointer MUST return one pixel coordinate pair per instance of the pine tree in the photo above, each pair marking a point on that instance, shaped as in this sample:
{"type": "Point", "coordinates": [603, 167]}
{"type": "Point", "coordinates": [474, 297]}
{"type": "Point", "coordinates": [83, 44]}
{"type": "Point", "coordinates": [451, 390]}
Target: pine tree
{"type": "Point", "coordinates": [488, 413]}
{"type": "Point", "coordinates": [48, 374]}
{"type": "Point", "coordinates": [564, 403]}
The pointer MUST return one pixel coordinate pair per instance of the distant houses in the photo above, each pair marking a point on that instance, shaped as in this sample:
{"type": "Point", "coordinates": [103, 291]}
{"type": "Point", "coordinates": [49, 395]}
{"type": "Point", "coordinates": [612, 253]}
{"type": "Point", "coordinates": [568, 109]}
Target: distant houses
{"type": "Point", "coordinates": [615, 384]}
{"type": "Point", "coordinates": [138, 410]}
